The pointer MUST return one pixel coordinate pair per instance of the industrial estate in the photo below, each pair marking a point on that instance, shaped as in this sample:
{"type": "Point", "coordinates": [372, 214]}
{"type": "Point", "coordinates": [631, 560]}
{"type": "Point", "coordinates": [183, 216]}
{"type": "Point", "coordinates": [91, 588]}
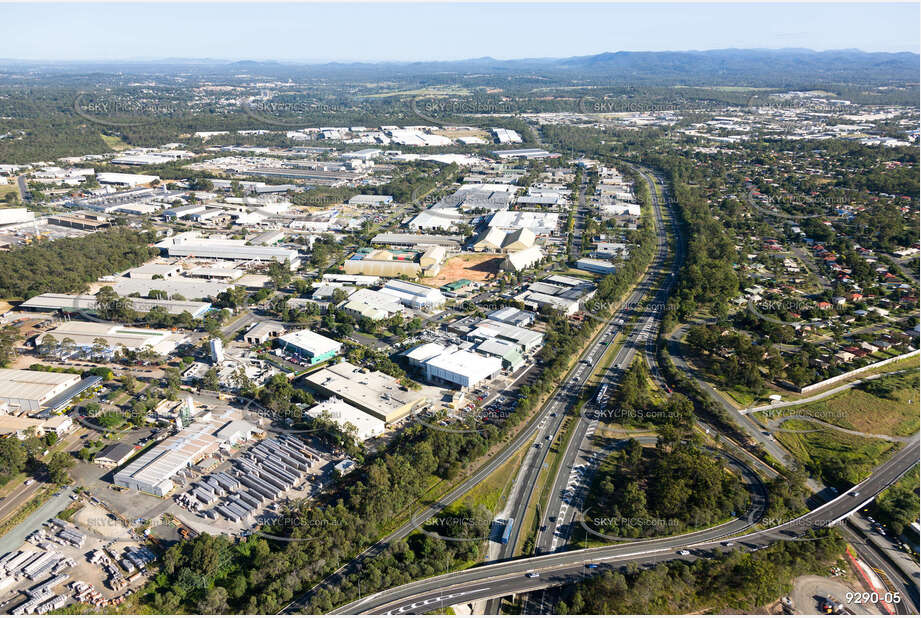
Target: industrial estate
{"type": "Point", "coordinates": [464, 342]}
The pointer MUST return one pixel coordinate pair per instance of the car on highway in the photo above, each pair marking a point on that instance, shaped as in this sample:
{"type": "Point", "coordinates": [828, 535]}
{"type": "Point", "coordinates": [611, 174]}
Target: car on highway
{"type": "Point", "coordinates": [533, 574]}
{"type": "Point", "coordinates": [856, 494]}
{"type": "Point", "coordinates": [684, 552]}
{"type": "Point", "coordinates": [591, 566]}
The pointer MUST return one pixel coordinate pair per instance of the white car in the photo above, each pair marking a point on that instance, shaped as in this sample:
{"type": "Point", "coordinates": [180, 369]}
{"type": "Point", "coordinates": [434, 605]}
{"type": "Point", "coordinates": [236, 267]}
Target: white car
{"type": "Point", "coordinates": [684, 552]}
{"type": "Point", "coordinates": [533, 574]}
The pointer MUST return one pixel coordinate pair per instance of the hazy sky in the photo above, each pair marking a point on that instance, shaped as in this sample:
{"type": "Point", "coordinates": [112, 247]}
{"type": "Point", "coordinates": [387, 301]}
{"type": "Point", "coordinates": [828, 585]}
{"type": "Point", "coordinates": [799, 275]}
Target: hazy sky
{"type": "Point", "coordinates": [378, 31]}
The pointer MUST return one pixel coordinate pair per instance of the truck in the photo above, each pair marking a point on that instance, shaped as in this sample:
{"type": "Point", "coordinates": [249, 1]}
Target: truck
{"type": "Point", "coordinates": [507, 531]}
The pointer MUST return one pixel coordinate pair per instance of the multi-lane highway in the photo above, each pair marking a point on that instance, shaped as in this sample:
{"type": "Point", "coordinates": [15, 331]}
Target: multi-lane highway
{"type": "Point", "coordinates": [581, 454]}
{"type": "Point", "coordinates": [553, 569]}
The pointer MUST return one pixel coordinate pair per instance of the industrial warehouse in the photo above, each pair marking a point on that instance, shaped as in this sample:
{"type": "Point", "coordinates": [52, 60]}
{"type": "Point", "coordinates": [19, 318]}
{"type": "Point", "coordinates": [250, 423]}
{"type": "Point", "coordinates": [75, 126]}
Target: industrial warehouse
{"type": "Point", "coordinates": [190, 244]}
{"type": "Point", "coordinates": [86, 303]}
{"type": "Point", "coordinates": [28, 391]}
{"type": "Point", "coordinates": [83, 336]}
{"type": "Point", "coordinates": [152, 471]}
{"type": "Point", "coordinates": [373, 392]}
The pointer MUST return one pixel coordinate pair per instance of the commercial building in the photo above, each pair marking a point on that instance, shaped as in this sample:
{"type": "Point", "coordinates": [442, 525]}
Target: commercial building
{"type": "Point", "coordinates": [395, 262]}
{"type": "Point", "coordinates": [313, 347]}
{"type": "Point", "coordinates": [518, 261]}
{"type": "Point", "coordinates": [370, 200]}
{"type": "Point", "coordinates": [524, 153]}
{"type": "Point", "coordinates": [268, 238]}
{"type": "Point", "coordinates": [529, 340]}
{"type": "Point", "coordinates": [496, 240]}
{"type": "Point", "coordinates": [80, 222]}
{"type": "Point", "coordinates": [371, 304]}
{"type": "Point", "coordinates": [14, 216]}
{"type": "Point", "coordinates": [23, 426]}
{"type": "Point", "coordinates": [541, 223]}
{"type": "Point", "coordinates": [263, 331]}
{"type": "Point", "coordinates": [188, 288]}
{"type": "Point", "coordinates": [152, 471]}
{"type": "Point", "coordinates": [125, 180]}
{"type": "Point", "coordinates": [412, 241]}
{"type": "Point", "coordinates": [558, 292]}
{"type": "Point", "coordinates": [114, 455]}
{"type": "Point", "coordinates": [506, 351]}
{"type": "Point", "coordinates": [456, 288]}
{"type": "Point", "coordinates": [461, 368]}
{"type": "Point", "coordinates": [437, 219]}
{"type": "Point", "coordinates": [28, 391]}
{"type": "Point", "coordinates": [414, 295]}
{"type": "Point", "coordinates": [592, 265]}
{"type": "Point", "coordinates": [364, 426]}
{"type": "Point", "coordinates": [513, 316]}
{"type": "Point", "coordinates": [375, 392]}
{"type": "Point", "coordinates": [86, 303]}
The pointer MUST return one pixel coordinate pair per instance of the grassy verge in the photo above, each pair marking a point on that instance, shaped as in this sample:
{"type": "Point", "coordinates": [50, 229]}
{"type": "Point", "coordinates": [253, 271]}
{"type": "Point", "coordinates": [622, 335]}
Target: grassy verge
{"type": "Point", "coordinates": [27, 508]}
{"type": "Point", "coordinates": [839, 459]}
{"type": "Point", "coordinates": [494, 488]}
{"type": "Point", "coordinates": [886, 406]}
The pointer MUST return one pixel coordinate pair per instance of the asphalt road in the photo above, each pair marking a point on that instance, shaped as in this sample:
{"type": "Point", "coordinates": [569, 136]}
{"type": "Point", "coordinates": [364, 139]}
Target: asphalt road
{"type": "Point", "coordinates": [554, 569]}
{"type": "Point", "coordinates": [569, 486]}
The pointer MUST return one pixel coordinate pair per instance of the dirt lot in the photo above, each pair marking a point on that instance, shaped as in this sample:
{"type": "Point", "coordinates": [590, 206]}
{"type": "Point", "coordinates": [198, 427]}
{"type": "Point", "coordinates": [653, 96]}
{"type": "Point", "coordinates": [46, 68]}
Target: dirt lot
{"type": "Point", "coordinates": [810, 590]}
{"type": "Point", "coordinates": [473, 266]}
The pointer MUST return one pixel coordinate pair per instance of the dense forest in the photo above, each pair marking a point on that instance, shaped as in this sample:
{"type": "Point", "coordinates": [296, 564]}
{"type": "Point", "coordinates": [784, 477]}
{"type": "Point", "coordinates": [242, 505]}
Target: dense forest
{"type": "Point", "coordinates": [734, 583]}
{"type": "Point", "coordinates": [68, 264]}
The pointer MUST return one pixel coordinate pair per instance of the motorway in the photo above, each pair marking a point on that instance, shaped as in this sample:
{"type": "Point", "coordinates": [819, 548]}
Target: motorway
{"type": "Point", "coordinates": [555, 569]}
{"type": "Point", "coordinates": [581, 455]}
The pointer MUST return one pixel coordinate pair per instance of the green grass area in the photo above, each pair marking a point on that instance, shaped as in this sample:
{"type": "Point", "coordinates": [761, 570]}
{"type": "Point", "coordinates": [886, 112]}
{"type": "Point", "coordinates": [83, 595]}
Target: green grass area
{"type": "Point", "coordinates": [887, 405]}
{"type": "Point", "coordinates": [114, 142]}
{"type": "Point", "coordinates": [741, 395]}
{"type": "Point", "coordinates": [493, 490]}
{"type": "Point", "coordinates": [905, 363]}
{"type": "Point", "coordinates": [7, 189]}
{"type": "Point", "coordinates": [839, 459]}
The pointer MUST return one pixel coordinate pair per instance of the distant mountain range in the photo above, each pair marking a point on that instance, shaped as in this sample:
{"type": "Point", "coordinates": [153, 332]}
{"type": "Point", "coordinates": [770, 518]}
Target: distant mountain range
{"type": "Point", "coordinates": [784, 67]}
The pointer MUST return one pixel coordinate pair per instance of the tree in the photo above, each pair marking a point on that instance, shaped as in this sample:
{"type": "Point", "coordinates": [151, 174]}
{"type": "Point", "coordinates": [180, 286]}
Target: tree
{"type": "Point", "coordinates": [100, 345]}
{"type": "Point", "coordinates": [339, 295]}
{"type": "Point", "coordinates": [106, 302]}
{"type": "Point", "coordinates": [210, 380]}
{"type": "Point", "coordinates": [8, 336]}
{"type": "Point", "coordinates": [48, 345]}
{"type": "Point", "coordinates": [129, 382]}
{"type": "Point", "coordinates": [215, 601]}
{"type": "Point", "coordinates": [58, 466]}
{"type": "Point", "coordinates": [280, 273]}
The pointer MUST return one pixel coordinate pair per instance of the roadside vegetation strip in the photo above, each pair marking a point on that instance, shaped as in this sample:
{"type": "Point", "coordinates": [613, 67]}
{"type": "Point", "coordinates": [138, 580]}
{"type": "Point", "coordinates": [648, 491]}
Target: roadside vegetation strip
{"type": "Point", "coordinates": [492, 491]}
{"type": "Point", "coordinates": [26, 509]}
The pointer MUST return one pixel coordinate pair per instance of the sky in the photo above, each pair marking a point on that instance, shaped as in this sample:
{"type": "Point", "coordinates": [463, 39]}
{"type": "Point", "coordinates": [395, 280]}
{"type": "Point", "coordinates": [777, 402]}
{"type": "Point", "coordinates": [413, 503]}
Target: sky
{"type": "Point", "coordinates": [407, 32]}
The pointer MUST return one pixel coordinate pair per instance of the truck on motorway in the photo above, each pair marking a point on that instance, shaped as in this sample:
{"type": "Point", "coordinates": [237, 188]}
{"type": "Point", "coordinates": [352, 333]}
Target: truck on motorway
{"type": "Point", "coordinates": [507, 531]}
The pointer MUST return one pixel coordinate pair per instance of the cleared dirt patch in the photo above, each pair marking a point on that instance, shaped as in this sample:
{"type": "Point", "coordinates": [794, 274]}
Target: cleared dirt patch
{"type": "Point", "coordinates": [473, 266]}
